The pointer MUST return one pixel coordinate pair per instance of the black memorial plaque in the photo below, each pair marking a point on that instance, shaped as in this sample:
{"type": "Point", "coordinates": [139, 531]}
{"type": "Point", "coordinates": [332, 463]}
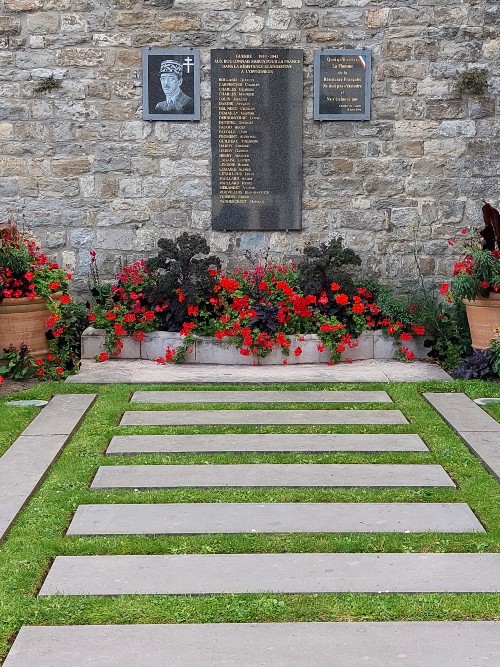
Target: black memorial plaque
{"type": "Point", "coordinates": [257, 113]}
{"type": "Point", "coordinates": [342, 83]}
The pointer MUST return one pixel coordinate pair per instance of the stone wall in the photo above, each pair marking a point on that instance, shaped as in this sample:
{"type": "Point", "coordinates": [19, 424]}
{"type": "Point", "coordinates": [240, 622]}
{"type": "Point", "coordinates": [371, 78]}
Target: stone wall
{"type": "Point", "coordinates": [86, 172]}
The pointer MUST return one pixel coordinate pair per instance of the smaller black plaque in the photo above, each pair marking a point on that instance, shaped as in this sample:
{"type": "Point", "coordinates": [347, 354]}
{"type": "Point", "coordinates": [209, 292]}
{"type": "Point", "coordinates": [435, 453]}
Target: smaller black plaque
{"type": "Point", "coordinates": [171, 84]}
{"type": "Point", "coordinates": [342, 84]}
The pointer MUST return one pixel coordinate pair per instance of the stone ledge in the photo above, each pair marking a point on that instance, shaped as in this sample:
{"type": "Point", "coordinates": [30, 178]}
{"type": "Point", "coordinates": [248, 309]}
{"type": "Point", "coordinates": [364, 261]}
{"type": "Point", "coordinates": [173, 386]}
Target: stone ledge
{"type": "Point", "coordinates": [371, 345]}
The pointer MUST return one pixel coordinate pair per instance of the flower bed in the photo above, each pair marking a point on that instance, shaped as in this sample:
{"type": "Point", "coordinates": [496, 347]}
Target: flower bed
{"type": "Point", "coordinates": [205, 350]}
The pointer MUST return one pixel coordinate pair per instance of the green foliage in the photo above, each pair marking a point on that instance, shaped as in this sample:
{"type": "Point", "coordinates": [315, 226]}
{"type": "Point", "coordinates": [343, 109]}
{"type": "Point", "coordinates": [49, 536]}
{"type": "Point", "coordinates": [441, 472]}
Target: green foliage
{"type": "Point", "coordinates": [325, 264]}
{"type": "Point", "coordinates": [184, 267]}
{"type": "Point", "coordinates": [473, 82]}
{"type": "Point", "coordinates": [66, 347]}
{"type": "Point", "coordinates": [17, 260]}
{"type": "Point", "coordinates": [16, 364]}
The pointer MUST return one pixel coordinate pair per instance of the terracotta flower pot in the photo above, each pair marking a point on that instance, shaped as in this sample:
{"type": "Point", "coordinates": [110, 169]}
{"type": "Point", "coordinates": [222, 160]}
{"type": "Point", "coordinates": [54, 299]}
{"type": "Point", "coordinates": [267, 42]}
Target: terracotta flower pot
{"type": "Point", "coordinates": [483, 316]}
{"type": "Point", "coordinates": [23, 321]}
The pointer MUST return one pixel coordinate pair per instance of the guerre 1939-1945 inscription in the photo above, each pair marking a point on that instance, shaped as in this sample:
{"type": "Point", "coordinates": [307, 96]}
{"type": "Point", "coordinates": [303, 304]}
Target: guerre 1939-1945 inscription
{"type": "Point", "coordinates": [257, 111]}
{"type": "Point", "coordinates": [342, 80]}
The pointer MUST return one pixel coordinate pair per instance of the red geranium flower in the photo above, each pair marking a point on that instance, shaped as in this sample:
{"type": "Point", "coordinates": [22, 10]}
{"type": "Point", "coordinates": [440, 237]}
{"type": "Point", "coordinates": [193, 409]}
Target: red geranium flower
{"type": "Point", "coordinates": [342, 299]}
{"type": "Point", "coordinates": [65, 299]}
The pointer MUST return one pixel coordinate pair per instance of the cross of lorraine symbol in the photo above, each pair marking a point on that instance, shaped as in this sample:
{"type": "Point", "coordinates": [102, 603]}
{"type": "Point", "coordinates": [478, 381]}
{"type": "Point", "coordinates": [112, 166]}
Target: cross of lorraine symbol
{"type": "Point", "coordinates": [188, 63]}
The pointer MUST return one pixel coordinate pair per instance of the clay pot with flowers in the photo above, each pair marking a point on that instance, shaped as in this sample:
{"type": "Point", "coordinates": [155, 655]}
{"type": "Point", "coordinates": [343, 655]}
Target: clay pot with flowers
{"type": "Point", "coordinates": [476, 278]}
{"type": "Point", "coordinates": [30, 289]}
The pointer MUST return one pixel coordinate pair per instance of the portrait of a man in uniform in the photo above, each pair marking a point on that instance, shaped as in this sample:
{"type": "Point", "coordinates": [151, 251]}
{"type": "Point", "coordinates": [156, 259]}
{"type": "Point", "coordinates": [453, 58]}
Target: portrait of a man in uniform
{"type": "Point", "coordinates": [171, 84]}
{"type": "Point", "coordinates": [176, 101]}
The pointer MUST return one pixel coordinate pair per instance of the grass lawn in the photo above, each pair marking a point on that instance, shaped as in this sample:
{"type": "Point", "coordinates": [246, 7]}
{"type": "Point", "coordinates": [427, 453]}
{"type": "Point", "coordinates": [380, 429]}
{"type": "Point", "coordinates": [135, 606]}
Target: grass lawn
{"type": "Point", "coordinates": [38, 535]}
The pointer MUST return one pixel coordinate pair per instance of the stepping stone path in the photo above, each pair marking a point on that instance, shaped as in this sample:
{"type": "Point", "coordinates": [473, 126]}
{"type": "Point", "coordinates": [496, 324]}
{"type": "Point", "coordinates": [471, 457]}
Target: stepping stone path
{"type": "Point", "coordinates": [429, 644]}
{"type": "Point", "coordinates": [269, 442]}
{"type": "Point", "coordinates": [269, 474]}
{"type": "Point", "coordinates": [260, 417]}
{"type": "Point", "coordinates": [203, 518]}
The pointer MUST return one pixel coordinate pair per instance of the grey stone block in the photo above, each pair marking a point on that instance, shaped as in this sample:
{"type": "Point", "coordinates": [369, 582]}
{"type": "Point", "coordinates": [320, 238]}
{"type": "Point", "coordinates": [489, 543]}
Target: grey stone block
{"type": "Point", "coordinates": [201, 518]}
{"type": "Point", "coordinates": [155, 344]}
{"type": "Point", "coordinates": [274, 475]}
{"type": "Point", "coordinates": [195, 574]}
{"type": "Point", "coordinates": [462, 414]}
{"type": "Point", "coordinates": [261, 397]}
{"type": "Point", "coordinates": [486, 446]}
{"type": "Point", "coordinates": [268, 442]}
{"type": "Point", "coordinates": [61, 416]}
{"type": "Point", "coordinates": [389, 644]}
{"type": "Point", "coordinates": [235, 417]}
{"type": "Point", "coordinates": [25, 463]}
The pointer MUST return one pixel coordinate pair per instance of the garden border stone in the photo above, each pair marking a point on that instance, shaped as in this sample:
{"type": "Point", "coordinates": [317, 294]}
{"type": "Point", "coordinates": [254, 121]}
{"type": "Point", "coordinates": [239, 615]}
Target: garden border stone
{"type": "Point", "coordinates": [371, 345]}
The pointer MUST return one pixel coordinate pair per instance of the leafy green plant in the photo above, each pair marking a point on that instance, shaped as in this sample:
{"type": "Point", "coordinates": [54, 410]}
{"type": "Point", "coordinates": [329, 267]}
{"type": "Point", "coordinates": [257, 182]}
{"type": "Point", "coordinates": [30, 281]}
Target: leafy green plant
{"type": "Point", "coordinates": [325, 264]}
{"type": "Point", "coordinates": [16, 363]}
{"type": "Point", "coordinates": [472, 82]}
{"type": "Point", "coordinates": [184, 277]}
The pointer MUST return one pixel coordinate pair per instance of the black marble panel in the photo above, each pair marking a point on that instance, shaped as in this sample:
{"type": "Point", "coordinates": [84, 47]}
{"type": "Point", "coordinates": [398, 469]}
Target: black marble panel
{"type": "Point", "coordinates": [342, 84]}
{"type": "Point", "coordinates": [257, 111]}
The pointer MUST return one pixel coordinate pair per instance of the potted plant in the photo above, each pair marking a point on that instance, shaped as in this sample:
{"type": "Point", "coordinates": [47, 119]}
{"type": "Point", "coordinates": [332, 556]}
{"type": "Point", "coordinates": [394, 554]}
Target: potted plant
{"type": "Point", "coordinates": [30, 289]}
{"type": "Point", "coordinates": [476, 278]}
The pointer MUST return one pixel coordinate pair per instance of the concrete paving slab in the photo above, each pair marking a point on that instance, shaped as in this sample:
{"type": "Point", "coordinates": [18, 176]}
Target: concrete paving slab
{"type": "Point", "coordinates": [486, 446]}
{"type": "Point", "coordinates": [204, 574]}
{"type": "Point", "coordinates": [148, 372]}
{"type": "Point", "coordinates": [201, 518]}
{"type": "Point", "coordinates": [261, 397]}
{"type": "Point", "coordinates": [275, 475]}
{"type": "Point", "coordinates": [391, 644]}
{"type": "Point", "coordinates": [267, 442]}
{"type": "Point", "coordinates": [259, 417]}
{"type": "Point", "coordinates": [25, 463]}
{"type": "Point", "coordinates": [61, 416]}
{"type": "Point", "coordinates": [462, 413]}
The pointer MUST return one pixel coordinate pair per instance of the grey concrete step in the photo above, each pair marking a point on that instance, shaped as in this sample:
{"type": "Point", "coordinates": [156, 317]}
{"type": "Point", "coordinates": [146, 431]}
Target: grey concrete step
{"type": "Point", "coordinates": [195, 574]}
{"type": "Point", "coordinates": [201, 518]}
{"type": "Point", "coordinates": [258, 417]}
{"type": "Point", "coordinates": [261, 397]}
{"type": "Point", "coordinates": [392, 644]}
{"type": "Point", "coordinates": [272, 474]}
{"type": "Point", "coordinates": [25, 463]}
{"type": "Point", "coordinates": [478, 429]}
{"type": "Point", "coordinates": [266, 442]}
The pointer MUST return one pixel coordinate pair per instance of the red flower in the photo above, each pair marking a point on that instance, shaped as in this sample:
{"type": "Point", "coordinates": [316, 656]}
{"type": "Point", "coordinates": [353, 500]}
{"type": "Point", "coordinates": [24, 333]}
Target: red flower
{"type": "Point", "coordinates": [484, 284]}
{"type": "Point", "coordinates": [229, 285]}
{"type": "Point", "coordinates": [65, 299]}
{"type": "Point", "coordinates": [419, 329]}
{"type": "Point", "coordinates": [40, 372]}
{"type": "Point", "coordinates": [149, 315]}
{"type": "Point", "coordinates": [104, 356]}
{"type": "Point", "coordinates": [342, 299]}
{"type": "Point", "coordinates": [138, 335]}
{"type": "Point", "coordinates": [29, 276]}
{"type": "Point", "coordinates": [91, 317]}
{"type": "Point", "coordinates": [323, 299]}
{"type": "Point", "coordinates": [129, 317]}
{"type": "Point", "coordinates": [444, 289]}
{"type": "Point", "coordinates": [2, 379]}
{"type": "Point", "coordinates": [244, 351]}
{"type": "Point", "coordinates": [405, 336]}
{"type": "Point", "coordinates": [180, 296]}
{"type": "Point", "coordinates": [186, 328]}
{"type": "Point", "coordinates": [321, 347]}
{"type": "Point", "coordinates": [285, 361]}
{"type": "Point", "coordinates": [335, 287]}
{"type": "Point", "coordinates": [50, 357]}
{"type": "Point", "coordinates": [297, 352]}
{"type": "Point", "coordinates": [119, 330]}
{"type": "Point", "coordinates": [60, 370]}
{"type": "Point", "coordinates": [110, 315]}
{"type": "Point", "coordinates": [358, 308]}
{"type": "Point", "coordinates": [192, 310]}
{"type": "Point", "coordinates": [39, 362]}
{"type": "Point", "coordinates": [54, 285]}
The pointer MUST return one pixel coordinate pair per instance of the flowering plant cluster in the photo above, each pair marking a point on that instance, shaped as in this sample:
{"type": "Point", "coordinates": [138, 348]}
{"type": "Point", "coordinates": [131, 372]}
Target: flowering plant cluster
{"type": "Point", "coordinates": [477, 272]}
{"type": "Point", "coordinates": [257, 310]}
{"type": "Point", "coordinates": [24, 270]}
{"type": "Point", "coordinates": [123, 309]}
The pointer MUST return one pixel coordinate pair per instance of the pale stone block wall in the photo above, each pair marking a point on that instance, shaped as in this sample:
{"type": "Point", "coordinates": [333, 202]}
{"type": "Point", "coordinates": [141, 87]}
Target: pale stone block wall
{"type": "Point", "coordinates": [86, 172]}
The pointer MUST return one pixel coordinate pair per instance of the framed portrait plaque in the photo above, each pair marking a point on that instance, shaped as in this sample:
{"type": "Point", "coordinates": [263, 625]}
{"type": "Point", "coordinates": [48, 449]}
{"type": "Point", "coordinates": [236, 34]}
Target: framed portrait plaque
{"type": "Point", "coordinates": [342, 84]}
{"type": "Point", "coordinates": [171, 84]}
